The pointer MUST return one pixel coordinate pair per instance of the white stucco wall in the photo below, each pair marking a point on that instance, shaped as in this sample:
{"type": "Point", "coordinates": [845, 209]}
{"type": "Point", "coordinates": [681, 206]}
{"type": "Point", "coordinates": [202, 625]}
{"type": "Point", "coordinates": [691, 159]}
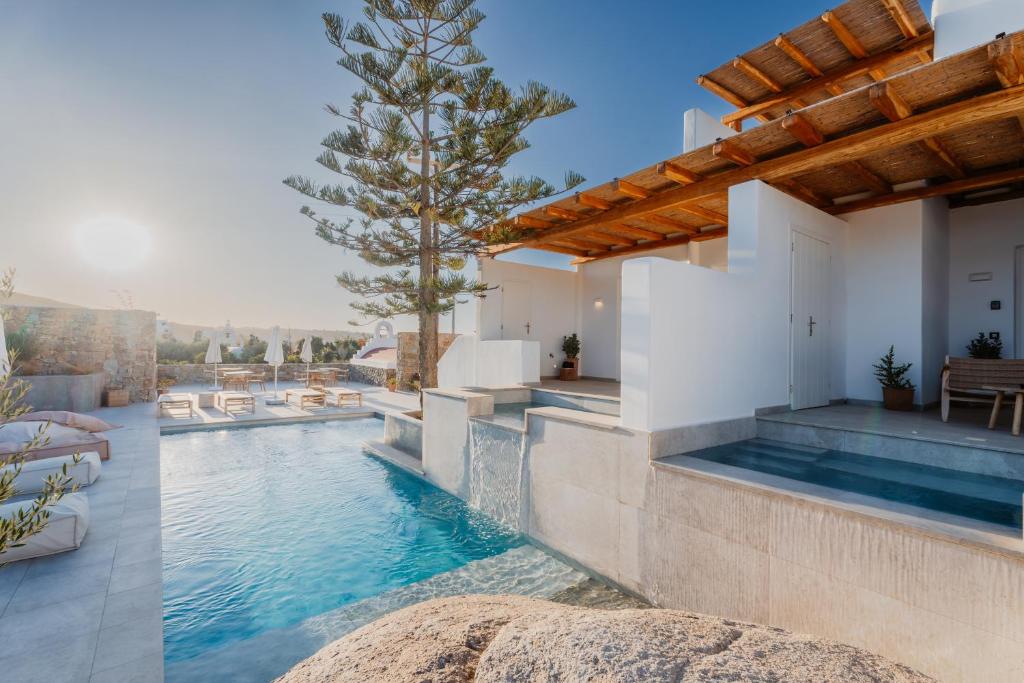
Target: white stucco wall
{"type": "Point", "coordinates": [724, 351]}
{"type": "Point", "coordinates": [962, 24]}
{"type": "Point", "coordinates": [712, 254]}
{"type": "Point", "coordinates": [983, 240]}
{"type": "Point", "coordinates": [553, 307]}
{"type": "Point", "coordinates": [935, 296]}
{"type": "Point", "coordinates": [701, 129]}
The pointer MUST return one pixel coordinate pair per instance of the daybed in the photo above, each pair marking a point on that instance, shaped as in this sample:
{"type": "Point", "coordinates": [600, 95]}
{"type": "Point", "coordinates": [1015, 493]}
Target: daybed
{"type": "Point", "coordinates": [65, 529]}
{"type": "Point", "coordinates": [63, 440]}
{"type": "Point", "coordinates": [32, 478]}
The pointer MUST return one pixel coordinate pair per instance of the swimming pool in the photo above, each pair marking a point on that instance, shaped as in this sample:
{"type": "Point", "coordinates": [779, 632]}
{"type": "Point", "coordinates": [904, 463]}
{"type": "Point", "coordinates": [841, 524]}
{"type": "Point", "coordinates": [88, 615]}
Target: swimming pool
{"type": "Point", "coordinates": [279, 539]}
{"type": "Point", "coordinates": [996, 500]}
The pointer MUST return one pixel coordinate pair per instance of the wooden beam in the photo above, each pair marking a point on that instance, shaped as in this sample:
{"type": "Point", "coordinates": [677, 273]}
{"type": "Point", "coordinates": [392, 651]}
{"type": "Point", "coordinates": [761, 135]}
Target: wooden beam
{"type": "Point", "coordinates": [671, 223]}
{"type": "Point", "coordinates": [803, 130]}
{"type": "Point", "coordinates": [559, 212]}
{"type": "Point", "coordinates": [804, 62]}
{"type": "Point", "coordinates": [639, 233]}
{"type": "Point", "coordinates": [802, 192]}
{"type": "Point", "coordinates": [529, 222]}
{"type": "Point", "coordinates": [885, 98]}
{"type": "Point", "coordinates": [858, 68]}
{"type": "Point", "coordinates": [726, 94]}
{"type": "Point", "coordinates": [706, 214]}
{"type": "Point", "coordinates": [951, 187]}
{"type": "Point", "coordinates": [724, 149]}
{"type": "Point", "coordinates": [592, 202]}
{"type": "Point", "coordinates": [901, 17]}
{"type": "Point", "coordinates": [1007, 58]}
{"type": "Point", "coordinates": [599, 236]}
{"type": "Point", "coordinates": [581, 244]}
{"type": "Point", "coordinates": [850, 41]}
{"type": "Point", "coordinates": [496, 249]}
{"type": "Point", "coordinates": [877, 183]}
{"type": "Point", "coordinates": [976, 110]}
{"type": "Point", "coordinates": [677, 173]}
{"type": "Point", "coordinates": [761, 77]}
{"type": "Point", "coordinates": [629, 189]}
{"type": "Point", "coordinates": [651, 246]}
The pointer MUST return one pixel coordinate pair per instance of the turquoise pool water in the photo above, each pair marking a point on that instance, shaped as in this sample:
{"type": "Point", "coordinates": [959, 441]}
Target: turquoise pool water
{"type": "Point", "coordinates": [267, 529]}
{"type": "Point", "coordinates": [976, 496]}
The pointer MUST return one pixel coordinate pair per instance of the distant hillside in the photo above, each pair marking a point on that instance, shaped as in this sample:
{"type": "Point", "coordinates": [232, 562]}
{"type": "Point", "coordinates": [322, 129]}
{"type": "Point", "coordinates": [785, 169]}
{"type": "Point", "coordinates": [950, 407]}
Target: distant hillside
{"type": "Point", "coordinates": [20, 299]}
{"type": "Point", "coordinates": [186, 332]}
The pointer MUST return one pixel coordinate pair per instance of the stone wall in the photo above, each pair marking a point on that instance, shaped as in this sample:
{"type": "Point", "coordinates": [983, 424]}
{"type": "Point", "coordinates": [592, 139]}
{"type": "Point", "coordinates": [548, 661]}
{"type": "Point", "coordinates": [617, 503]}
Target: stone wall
{"type": "Point", "coordinates": [78, 341]}
{"type": "Point", "coordinates": [408, 354]}
{"type": "Point", "coordinates": [369, 374]}
{"type": "Point", "coordinates": [202, 373]}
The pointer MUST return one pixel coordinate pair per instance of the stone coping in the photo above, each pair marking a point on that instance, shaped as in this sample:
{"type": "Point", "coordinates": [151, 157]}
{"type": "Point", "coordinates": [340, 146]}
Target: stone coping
{"type": "Point", "coordinates": [265, 422]}
{"type": "Point", "coordinates": [949, 528]}
{"type": "Point", "coordinates": [395, 457]}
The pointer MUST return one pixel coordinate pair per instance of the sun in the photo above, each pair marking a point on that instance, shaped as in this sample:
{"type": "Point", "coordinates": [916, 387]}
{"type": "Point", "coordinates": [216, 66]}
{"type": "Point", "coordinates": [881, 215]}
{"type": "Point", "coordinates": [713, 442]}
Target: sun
{"type": "Point", "coordinates": [108, 243]}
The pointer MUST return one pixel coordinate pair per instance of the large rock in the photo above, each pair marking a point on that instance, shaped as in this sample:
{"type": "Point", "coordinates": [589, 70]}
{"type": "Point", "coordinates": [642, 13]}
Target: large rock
{"type": "Point", "coordinates": [510, 638]}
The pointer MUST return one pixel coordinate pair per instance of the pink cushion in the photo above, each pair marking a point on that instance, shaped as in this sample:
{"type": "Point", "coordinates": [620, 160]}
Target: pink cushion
{"type": "Point", "coordinates": [64, 417]}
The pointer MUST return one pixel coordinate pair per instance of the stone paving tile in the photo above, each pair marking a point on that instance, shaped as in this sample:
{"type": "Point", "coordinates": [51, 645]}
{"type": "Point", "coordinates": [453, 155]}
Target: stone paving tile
{"type": "Point", "coordinates": [131, 604]}
{"type": "Point", "coordinates": [39, 591]}
{"type": "Point", "coordinates": [137, 548]}
{"type": "Point", "coordinates": [91, 553]}
{"type": "Point", "coordinates": [37, 627]}
{"type": "Point", "coordinates": [64, 658]}
{"type": "Point", "coordinates": [130, 640]}
{"type": "Point", "coordinates": [149, 669]}
{"type": "Point", "coordinates": [129, 576]}
{"type": "Point", "coordinates": [10, 576]}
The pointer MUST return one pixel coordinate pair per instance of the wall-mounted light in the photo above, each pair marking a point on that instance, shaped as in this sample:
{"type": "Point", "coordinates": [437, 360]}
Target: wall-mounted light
{"type": "Point", "coordinates": [599, 303]}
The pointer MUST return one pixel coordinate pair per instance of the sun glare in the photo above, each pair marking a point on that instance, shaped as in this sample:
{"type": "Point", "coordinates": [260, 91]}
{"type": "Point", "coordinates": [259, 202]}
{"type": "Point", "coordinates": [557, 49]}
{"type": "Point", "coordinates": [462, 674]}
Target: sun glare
{"type": "Point", "coordinates": [113, 243]}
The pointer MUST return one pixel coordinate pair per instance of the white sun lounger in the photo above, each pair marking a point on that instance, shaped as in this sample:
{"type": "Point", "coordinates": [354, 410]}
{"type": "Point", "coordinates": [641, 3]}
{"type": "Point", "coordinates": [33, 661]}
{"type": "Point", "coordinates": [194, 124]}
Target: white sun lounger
{"type": "Point", "coordinates": [34, 472]}
{"type": "Point", "coordinates": [69, 520]}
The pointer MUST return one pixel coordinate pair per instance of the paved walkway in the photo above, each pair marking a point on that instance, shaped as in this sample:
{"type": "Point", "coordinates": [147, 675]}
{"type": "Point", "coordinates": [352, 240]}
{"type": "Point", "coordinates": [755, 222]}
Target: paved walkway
{"type": "Point", "coordinates": [95, 614]}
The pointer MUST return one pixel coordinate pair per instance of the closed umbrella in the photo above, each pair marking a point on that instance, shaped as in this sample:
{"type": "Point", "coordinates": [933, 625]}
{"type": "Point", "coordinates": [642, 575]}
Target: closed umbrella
{"type": "Point", "coordinates": [307, 354]}
{"type": "Point", "coordinates": [275, 356]}
{"type": "Point", "coordinates": [5, 360]}
{"type": "Point", "coordinates": [213, 356]}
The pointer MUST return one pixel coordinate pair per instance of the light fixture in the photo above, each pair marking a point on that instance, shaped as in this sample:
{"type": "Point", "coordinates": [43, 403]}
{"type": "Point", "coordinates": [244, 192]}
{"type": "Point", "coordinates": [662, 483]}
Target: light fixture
{"type": "Point", "coordinates": [598, 302]}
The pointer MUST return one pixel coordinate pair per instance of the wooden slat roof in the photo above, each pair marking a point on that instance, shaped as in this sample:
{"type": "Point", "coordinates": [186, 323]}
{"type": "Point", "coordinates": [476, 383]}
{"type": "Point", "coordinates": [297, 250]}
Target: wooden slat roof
{"type": "Point", "coordinates": [893, 34]}
{"type": "Point", "coordinates": [957, 123]}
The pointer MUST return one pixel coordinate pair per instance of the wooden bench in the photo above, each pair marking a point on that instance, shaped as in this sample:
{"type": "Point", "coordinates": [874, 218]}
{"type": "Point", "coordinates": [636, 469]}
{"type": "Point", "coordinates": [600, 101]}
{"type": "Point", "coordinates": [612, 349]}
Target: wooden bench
{"type": "Point", "coordinates": [966, 379]}
{"type": "Point", "coordinates": [166, 402]}
{"type": "Point", "coordinates": [230, 400]}
{"type": "Point", "coordinates": [307, 397]}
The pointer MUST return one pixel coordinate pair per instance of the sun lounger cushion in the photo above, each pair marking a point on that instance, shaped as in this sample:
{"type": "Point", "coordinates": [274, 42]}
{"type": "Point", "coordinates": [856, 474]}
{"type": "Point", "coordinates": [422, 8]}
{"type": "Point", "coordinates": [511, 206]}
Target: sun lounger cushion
{"type": "Point", "coordinates": [76, 442]}
{"type": "Point", "coordinates": [69, 520]}
{"type": "Point", "coordinates": [34, 472]}
{"type": "Point", "coordinates": [26, 431]}
{"type": "Point", "coordinates": [88, 423]}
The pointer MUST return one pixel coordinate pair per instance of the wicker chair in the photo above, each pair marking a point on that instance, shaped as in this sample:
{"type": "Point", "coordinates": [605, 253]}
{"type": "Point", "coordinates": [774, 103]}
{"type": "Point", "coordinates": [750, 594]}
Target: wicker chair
{"type": "Point", "coordinates": [965, 379]}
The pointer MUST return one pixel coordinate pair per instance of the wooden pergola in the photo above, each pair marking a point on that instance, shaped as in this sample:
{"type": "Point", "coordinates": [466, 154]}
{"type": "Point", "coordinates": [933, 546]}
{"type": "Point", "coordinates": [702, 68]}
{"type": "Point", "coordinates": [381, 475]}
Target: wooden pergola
{"type": "Point", "coordinates": [952, 127]}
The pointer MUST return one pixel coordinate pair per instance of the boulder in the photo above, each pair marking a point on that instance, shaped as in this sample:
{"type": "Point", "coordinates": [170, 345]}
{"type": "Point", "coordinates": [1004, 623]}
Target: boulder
{"type": "Point", "coordinates": [509, 638]}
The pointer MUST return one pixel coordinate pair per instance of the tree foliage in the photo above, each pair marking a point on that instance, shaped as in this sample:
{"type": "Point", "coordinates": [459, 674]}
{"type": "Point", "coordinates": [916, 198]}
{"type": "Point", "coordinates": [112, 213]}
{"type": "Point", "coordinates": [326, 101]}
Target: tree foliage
{"type": "Point", "coordinates": [423, 155]}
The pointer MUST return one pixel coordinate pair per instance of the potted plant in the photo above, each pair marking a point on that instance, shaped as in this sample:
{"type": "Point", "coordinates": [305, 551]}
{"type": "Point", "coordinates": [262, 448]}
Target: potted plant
{"type": "Point", "coordinates": [391, 383]}
{"type": "Point", "coordinates": [897, 390]}
{"type": "Point", "coordinates": [164, 384]}
{"type": "Point", "coordinates": [985, 347]}
{"type": "Point", "coordinates": [571, 365]}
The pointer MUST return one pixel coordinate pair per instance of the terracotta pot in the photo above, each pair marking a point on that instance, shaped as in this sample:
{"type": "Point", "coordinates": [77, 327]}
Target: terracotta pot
{"type": "Point", "coordinates": [897, 399]}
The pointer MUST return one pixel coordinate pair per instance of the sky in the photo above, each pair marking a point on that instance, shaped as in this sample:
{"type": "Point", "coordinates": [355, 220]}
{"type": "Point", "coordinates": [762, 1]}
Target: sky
{"type": "Point", "coordinates": [178, 121]}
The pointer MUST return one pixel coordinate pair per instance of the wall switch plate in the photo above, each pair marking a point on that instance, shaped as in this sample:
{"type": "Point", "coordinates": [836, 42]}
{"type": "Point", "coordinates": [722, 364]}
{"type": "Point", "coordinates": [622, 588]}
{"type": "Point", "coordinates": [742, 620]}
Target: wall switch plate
{"type": "Point", "coordinates": [995, 305]}
{"type": "Point", "coordinates": [994, 336]}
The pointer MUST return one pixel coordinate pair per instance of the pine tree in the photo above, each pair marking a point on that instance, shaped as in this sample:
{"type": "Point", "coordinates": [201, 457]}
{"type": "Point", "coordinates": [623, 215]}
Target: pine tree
{"type": "Point", "coordinates": [424, 150]}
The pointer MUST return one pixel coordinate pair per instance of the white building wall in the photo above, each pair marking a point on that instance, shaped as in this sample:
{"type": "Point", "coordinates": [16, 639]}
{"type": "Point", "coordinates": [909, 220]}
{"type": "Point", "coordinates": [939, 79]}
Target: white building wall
{"type": "Point", "coordinates": [701, 129]}
{"type": "Point", "coordinates": [962, 24]}
{"type": "Point", "coordinates": [983, 240]}
{"type": "Point", "coordinates": [935, 296]}
{"type": "Point", "coordinates": [553, 307]}
{"type": "Point", "coordinates": [724, 351]}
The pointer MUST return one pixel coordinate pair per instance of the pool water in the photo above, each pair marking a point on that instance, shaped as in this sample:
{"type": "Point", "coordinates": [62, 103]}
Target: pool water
{"type": "Point", "coordinates": [976, 496]}
{"type": "Point", "coordinates": [267, 528]}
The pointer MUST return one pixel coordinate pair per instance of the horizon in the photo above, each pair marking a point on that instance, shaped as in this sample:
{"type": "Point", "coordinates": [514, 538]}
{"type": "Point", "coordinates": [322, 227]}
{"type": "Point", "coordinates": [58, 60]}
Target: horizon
{"type": "Point", "coordinates": [185, 134]}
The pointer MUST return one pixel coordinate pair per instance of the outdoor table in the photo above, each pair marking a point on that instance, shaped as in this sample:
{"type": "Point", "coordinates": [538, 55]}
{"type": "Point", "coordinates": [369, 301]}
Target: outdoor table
{"type": "Point", "coordinates": [1018, 405]}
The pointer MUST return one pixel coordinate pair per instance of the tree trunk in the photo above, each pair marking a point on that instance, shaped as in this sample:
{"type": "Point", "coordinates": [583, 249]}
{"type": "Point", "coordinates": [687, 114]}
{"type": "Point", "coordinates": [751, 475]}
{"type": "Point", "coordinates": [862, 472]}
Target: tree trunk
{"type": "Point", "coordinates": [428, 321]}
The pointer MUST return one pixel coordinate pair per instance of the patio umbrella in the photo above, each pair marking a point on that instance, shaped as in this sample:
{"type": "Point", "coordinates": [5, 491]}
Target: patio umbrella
{"type": "Point", "coordinates": [275, 354]}
{"type": "Point", "coordinates": [213, 355]}
{"type": "Point", "coordinates": [5, 360]}
{"type": "Point", "coordinates": [307, 354]}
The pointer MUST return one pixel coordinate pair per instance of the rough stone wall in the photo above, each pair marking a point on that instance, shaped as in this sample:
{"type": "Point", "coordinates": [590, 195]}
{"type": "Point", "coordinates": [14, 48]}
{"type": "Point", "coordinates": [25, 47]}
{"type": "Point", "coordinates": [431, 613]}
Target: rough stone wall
{"type": "Point", "coordinates": [370, 375]}
{"type": "Point", "coordinates": [202, 373]}
{"type": "Point", "coordinates": [121, 344]}
{"type": "Point", "coordinates": [408, 353]}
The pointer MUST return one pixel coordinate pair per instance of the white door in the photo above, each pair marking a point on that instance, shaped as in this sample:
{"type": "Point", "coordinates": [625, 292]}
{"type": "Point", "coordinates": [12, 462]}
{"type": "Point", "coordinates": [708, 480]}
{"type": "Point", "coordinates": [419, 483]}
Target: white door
{"type": "Point", "coordinates": [516, 309]}
{"type": "Point", "coordinates": [1018, 298]}
{"type": "Point", "coordinates": [810, 322]}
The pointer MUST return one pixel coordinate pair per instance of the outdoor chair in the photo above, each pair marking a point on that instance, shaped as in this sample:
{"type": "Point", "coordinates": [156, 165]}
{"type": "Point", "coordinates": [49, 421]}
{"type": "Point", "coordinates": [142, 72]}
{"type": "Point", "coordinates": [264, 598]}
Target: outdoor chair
{"type": "Point", "coordinates": [259, 380]}
{"type": "Point", "coordinates": [978, 380]}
